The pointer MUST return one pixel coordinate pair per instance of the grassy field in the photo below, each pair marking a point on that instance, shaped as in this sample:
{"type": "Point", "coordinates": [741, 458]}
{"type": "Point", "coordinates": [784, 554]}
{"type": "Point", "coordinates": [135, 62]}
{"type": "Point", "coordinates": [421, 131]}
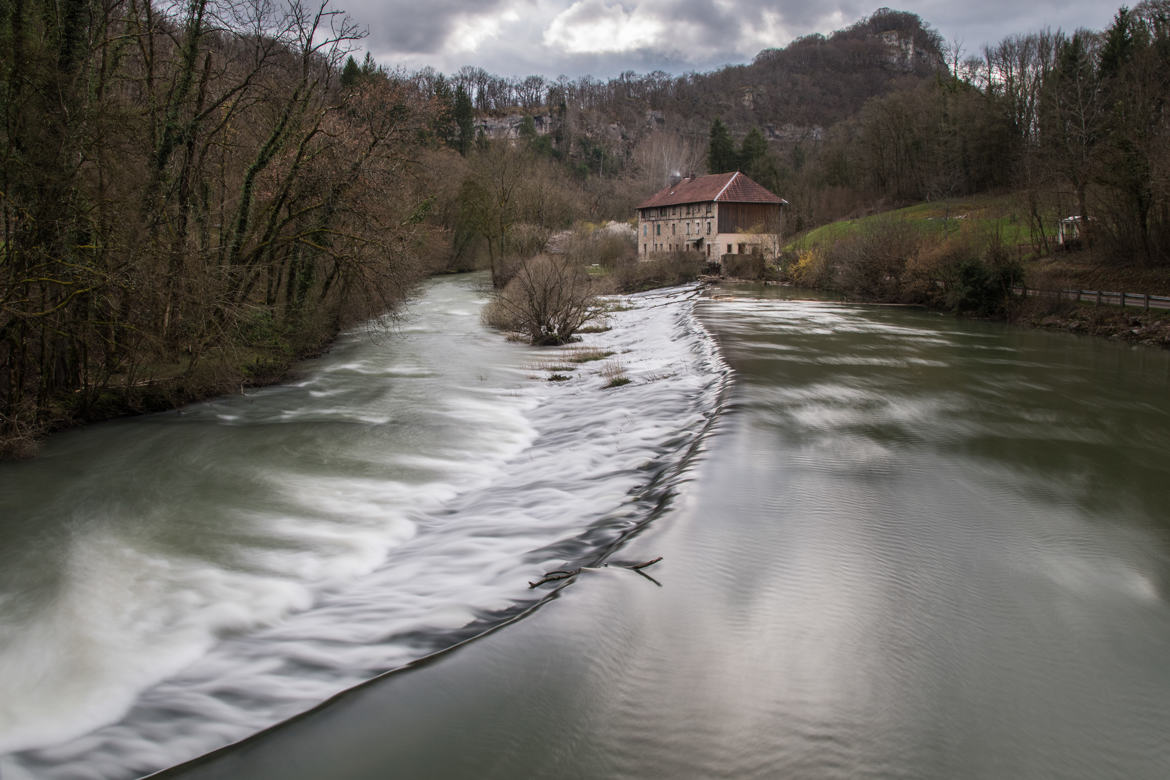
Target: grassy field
{"type": "Point", "coordinates": [1002, 216]}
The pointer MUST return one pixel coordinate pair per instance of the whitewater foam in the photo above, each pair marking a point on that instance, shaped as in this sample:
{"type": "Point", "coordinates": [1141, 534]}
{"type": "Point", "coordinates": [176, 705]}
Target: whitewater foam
{"type": "Point", "coordinates": [327, 556]}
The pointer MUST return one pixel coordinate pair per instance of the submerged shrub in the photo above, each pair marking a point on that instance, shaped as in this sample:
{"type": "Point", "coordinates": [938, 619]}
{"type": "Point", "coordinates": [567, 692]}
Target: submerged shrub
{"type": "Point", "coordinates": [547, 299]}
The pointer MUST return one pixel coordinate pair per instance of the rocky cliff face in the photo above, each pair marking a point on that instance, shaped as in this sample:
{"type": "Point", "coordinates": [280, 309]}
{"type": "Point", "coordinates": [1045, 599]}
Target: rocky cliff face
{"type": "Point", "coordinates": [496, 127]}
{"type": "Point", "coordinates": [905, 54]}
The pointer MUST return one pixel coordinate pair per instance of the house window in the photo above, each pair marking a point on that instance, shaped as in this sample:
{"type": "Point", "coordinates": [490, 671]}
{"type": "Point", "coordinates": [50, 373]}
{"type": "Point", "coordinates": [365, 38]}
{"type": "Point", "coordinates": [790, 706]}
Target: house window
{"type": "Point", "coordinates": [708, 208]}
{"type": "Point", "coordinates": [645, 230]}
{"type": "Point", "coordinates": [730, 250]}
{"type": "Point", "coordinates": [741, 249]}
{"type": "Point", "coordinates": [688, 228]}
{"type": "Point", "coordinates": [673, 227]}
{"type": "Point", "coordinates": [658, 229]}
{"type": "Point", "coordinates": [708, 228]}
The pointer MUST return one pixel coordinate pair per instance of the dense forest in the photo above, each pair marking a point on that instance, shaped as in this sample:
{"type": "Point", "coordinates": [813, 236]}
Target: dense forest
{"type": "Point", "coordinates": [196, 192]}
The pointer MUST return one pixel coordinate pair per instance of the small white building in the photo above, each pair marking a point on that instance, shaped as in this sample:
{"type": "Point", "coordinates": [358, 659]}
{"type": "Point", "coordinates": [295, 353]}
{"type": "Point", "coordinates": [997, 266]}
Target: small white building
{"type": "Point", "coordinates": [1071, 232]}
{"type": "Point", "coordinates": [717, 215]}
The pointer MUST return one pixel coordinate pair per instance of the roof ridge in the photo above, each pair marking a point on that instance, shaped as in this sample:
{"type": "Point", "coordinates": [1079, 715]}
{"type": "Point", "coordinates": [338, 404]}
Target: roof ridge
{"type": "Point", "coordinates": [725, 186]}
{"type": "Point", "coordinates": [714, 187]}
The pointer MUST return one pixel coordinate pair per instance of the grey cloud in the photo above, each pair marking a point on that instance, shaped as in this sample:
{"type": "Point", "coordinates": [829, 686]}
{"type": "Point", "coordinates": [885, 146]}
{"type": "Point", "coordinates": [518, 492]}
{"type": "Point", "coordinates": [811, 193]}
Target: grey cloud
{"type": "Point", "coordinates": [414, 26]}
{"type": "Point", "coordinates": [415, 33]}
{"type": "Point", "coordinates": [716, 21]}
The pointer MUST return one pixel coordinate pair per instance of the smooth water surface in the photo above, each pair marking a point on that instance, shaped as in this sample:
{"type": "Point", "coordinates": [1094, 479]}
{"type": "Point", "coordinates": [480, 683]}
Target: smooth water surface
{"type": "Point", "coordinates": [910, 547]}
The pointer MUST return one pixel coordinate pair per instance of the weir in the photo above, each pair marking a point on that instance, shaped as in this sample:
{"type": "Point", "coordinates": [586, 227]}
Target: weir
{"type": "Point", "coordinates": [174, 583]}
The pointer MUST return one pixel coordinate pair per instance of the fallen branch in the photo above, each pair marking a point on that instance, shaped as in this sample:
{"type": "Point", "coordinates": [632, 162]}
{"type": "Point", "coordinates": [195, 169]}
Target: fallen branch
{"type": "Point", "coordinates": [564, 574]}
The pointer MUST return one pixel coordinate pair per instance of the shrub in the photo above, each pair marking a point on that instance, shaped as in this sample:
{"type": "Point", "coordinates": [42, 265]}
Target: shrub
{"type": "Point", "coordinates": [665, 271]}
{"type": "Point", "coordinates": [870, 265]}
{"type": "Point", "coordinates": [607, 246]}
{"type": "Point", "coordinates": [526, 240]}
{"type": "Point", "coordinates": [547, 299]}
{"type": "Point", "coordinates": [746, 266]}
{"type": "Point", "coordinates": [812, 269]}
{"type": "Point", "coordinates": [963, 273]}
{"type": "Point", "coordinates": [983, 285]}
{"type": "Point", "coordinates": [614, 374]}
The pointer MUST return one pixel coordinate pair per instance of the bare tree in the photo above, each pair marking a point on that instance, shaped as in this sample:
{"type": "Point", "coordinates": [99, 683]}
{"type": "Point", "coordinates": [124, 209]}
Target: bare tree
{"type": "Point", "coordinates": [548, 299]}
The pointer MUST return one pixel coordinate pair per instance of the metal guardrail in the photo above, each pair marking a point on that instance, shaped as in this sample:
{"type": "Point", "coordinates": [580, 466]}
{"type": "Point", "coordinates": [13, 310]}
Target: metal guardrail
{"type": "Point", "coordinates": [1101, 297]}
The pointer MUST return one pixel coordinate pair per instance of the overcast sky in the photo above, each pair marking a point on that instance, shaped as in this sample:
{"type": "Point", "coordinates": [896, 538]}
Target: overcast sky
{"type": "Point", "coordinates": [605, 37]}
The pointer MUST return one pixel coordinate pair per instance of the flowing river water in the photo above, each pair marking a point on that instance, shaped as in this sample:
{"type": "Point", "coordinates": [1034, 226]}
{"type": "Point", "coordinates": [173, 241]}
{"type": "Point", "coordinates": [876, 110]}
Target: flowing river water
{"type": "Point", "coordinates": [895, 545]}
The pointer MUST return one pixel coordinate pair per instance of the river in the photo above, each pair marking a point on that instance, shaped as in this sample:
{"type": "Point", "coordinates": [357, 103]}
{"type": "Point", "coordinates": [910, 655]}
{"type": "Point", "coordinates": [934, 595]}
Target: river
{"type": "Point", "coordinates": [894, 545]}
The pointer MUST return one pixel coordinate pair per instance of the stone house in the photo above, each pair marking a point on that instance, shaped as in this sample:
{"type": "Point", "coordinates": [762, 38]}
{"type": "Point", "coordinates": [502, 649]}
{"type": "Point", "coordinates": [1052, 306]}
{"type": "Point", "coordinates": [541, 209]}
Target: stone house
{"type": "Point", "coordinates": [717, 215]}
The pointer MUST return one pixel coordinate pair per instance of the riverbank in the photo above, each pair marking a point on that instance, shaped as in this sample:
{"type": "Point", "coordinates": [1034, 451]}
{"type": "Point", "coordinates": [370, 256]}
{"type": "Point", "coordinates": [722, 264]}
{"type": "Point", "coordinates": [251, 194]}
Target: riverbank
{"type": "Point", "coordinates": [164, 388]}
{"type": "Point", "coordinates": [1151, 329]}
{"type": "Point", "coordinates": [1131, 325]}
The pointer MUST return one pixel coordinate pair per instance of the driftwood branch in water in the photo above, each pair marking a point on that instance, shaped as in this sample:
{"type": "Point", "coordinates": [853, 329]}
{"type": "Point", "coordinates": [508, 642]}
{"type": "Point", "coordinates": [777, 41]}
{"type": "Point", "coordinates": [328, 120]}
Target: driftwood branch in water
{"type": "Point", "coordinates": [564, 574]}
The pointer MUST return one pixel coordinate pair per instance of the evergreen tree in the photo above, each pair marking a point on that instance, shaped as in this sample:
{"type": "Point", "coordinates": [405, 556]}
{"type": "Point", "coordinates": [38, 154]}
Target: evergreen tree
{"type": "Point", "coordinates": [350, 73]}
{"type": "Point", "coordinates": [464, 121]}
{"type": "Point", "coordinates": [752, 152]}
{"type": "Point", "coordinates": [527, 130]}
{"type": "Point", "coordinates": [444, 123]}
{"type": "Point", "coordinates": [1120, 43]}
{"type": "Point", "coordinates": [721, 154]}
{"type": "Point", "coordinates": [369, 68]}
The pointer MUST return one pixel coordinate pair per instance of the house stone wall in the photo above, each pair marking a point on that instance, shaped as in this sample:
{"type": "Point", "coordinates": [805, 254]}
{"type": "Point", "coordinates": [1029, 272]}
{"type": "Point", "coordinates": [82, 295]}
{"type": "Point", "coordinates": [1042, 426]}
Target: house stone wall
{"type": "Point", "coordinates": [677, 228]}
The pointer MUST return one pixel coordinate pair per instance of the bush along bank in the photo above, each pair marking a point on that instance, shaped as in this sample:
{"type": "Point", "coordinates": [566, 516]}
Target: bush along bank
{"type": "Point", "coordinates": [892, 262]}
{"type": "Point", "coordinates": [966, 273]}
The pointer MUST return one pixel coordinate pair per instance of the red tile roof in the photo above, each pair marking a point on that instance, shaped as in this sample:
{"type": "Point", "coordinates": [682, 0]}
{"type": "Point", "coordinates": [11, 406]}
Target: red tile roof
{"type": "Point", "coordinates": [718, 187]}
